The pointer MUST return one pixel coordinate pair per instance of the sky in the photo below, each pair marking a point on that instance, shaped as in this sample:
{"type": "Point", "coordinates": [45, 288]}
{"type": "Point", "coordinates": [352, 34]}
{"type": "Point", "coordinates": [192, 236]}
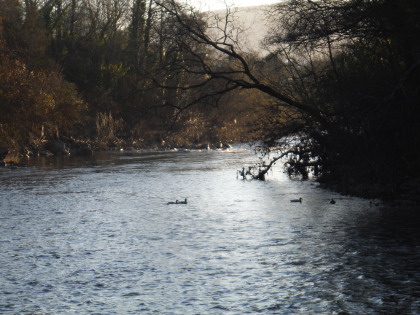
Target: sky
{"type": "Point", "coordinates": [204, 5]}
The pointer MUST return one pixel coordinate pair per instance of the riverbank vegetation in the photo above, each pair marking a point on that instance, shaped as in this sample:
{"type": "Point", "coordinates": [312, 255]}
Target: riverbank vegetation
{"type": "Point", "coordinates": [335, 93]}
{"type": "Point", "coordinates": [104, 73]}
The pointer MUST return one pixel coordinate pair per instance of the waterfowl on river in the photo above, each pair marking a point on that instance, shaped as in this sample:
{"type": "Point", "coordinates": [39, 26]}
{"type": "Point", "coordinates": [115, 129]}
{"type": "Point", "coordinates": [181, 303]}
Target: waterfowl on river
{"type": "Point", "coordinates": [332, 201]}
{"type": "Point", "coordinates": [183, 202]}
{"type": "Point", "coordinates": [296, 200]}
{"type": "Point", "coordinates": [177, 202]}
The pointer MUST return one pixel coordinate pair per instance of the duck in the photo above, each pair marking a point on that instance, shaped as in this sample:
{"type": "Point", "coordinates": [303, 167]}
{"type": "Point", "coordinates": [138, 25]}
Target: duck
{"type": "Point", "coordinates": [183, 202]}
{"type": "Point", "coordinates": [296, 200]}
{"type": "Point", "coordinates": [177, 202]}
{"type": "Point", "coordinates": [332, 201]}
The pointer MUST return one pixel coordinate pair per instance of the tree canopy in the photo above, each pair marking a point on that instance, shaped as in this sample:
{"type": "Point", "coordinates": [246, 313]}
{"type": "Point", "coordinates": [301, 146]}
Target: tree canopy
{"type": "Point", "coordinates": [342, 85]}
{"type": "Point", "coordinates": [121, 61]}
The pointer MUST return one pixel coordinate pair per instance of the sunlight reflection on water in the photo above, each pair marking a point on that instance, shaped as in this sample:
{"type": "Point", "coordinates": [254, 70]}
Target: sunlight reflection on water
{"type": "Point", "coordinates": [97, 236]}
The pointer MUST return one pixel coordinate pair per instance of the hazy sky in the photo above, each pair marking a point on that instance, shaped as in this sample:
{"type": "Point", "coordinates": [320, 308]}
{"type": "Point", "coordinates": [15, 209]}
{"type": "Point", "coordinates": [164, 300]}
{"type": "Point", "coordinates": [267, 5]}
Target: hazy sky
{"type": "Point", "coordinates": [221, 4]}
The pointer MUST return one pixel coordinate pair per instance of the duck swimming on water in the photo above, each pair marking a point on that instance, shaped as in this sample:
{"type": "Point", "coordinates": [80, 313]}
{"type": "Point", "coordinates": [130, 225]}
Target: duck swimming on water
{"type": "Point", "coordinates": [177, 202]}
{"type": "Point", "coordinates": [296, 200]}
{"type": "Point", "coordinates": [332, 201]}
{"type": "Point", "coordinates": [183, 202]}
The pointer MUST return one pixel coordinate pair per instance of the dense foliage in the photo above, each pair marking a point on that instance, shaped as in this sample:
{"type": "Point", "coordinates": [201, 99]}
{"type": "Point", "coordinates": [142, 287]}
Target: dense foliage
{"type": "Point", "coordinates": [105, 71]}
{"type": "Point", "coordinates": [35, 99]}
{"type": "Point", "coordinates": [358, 63]}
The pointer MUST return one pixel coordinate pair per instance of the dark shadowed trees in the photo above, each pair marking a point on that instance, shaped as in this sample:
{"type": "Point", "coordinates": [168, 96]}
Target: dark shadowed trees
{"type": "Point", "coordinates": [342, 85]}
{"type": "Point", "coordinates": [360, 62]}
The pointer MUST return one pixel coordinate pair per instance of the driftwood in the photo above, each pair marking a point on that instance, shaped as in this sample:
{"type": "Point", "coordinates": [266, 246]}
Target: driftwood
{"type": "Point", "coordinates": [300, 165]}
{"type": "Point", "coordinates": [262, 170]}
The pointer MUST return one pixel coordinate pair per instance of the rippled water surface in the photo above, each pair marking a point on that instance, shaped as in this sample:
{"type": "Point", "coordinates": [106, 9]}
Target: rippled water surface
{"type": "Point", "coordinates": [96, 236]}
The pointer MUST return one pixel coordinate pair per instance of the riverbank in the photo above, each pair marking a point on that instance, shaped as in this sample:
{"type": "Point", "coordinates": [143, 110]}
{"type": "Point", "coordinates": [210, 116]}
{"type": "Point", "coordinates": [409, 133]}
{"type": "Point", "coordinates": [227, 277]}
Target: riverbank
{"type": "Point", "coordinates": [58, 147]}
{"type": "Point", "coordinates": [407, 191]}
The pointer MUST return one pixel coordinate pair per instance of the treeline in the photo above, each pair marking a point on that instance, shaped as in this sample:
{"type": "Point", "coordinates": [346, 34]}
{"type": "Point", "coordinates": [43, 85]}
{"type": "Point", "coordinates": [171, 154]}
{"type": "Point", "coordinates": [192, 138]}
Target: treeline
{"type": "Point", "coordinates": [342, 85]}
{"type": "Point", "coordinates": [107, 71]}
{"type": "Point", "coordinates": [337, 93]}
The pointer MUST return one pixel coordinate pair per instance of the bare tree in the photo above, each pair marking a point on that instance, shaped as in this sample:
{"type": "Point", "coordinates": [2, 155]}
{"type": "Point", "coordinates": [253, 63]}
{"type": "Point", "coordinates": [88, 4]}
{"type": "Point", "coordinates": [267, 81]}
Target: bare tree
{"type": "Point", "coordinates": [328, 76]}
{"type": "Point", "coordinates": [234, 69]}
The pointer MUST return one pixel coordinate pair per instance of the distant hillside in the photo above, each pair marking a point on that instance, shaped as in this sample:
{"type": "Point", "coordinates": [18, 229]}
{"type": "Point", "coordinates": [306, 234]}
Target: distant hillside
{"type": "Point", "coordinates": [252, 22]}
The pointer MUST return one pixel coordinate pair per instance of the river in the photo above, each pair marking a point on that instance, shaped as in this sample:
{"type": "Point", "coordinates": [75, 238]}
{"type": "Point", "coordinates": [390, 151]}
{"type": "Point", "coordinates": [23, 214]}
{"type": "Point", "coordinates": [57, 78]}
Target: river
{"type": "Point", "coordinates": [96, 236]}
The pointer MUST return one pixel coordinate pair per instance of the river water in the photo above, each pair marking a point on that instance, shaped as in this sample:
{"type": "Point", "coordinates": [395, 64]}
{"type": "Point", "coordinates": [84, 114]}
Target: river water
{"type": "Point", "coordinates": [96, 236]}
